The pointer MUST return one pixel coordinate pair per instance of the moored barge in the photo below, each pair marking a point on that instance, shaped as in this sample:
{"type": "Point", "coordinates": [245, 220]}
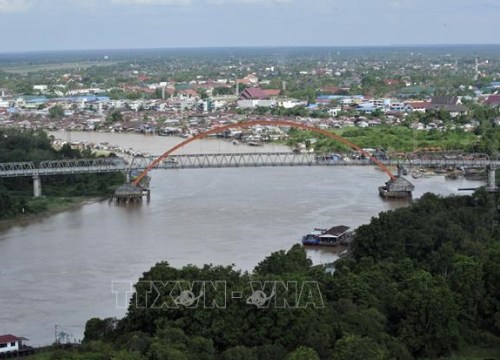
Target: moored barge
{"type": "Point", "coordinates": [337, 235]}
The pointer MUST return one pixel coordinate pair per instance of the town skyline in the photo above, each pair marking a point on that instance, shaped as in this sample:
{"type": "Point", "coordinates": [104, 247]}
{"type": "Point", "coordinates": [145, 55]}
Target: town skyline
{"type": "Point", "coordinates": [56, 25]}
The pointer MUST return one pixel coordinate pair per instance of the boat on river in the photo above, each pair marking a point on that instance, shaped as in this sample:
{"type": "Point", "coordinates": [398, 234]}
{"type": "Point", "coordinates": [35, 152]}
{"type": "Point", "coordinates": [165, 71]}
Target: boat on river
{"type": "Point", "coordinates": [337, 235]}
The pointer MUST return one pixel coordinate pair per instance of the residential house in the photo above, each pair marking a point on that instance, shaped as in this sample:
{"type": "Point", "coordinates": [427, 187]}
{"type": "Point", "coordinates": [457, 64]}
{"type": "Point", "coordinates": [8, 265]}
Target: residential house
{"type": "Point", "coordinates": [397, 107]}
{"type": "Point", "coordinates": [322, 72]}
{"type": "Point", "coordinates": [330, 89]}
{"type": "Point", "coordinates": [187, 94]}
{"type": "Point", "coordinates": [291, 103]}
{"type": "Point", "coordinates": [446, 100]}
{"type": "Point", "coordinates": [452, 104]}
{"type": "Point", "coordinates": [253, 93]}
{"type": "Point", "coordinates": [391, 82]}
{"type": "Point", "coordinates": [492, 100]}
{"type": "Point", "coordinates": [10, 343]}
{"type": "Point", "coordinates": [334, 111]}
{"type": "Point", "coordinates": [41, 88]}
{"type": "Point", "coordinates": [417, 106]}
{"type": "Point", "coordinates": [254, 97]}
{"type": "Point", "coordinates": [249, 80]}
{"type": "Point", "coordinates": [366, 108]}
{"type": "Point", "coordinates": [30, 102]}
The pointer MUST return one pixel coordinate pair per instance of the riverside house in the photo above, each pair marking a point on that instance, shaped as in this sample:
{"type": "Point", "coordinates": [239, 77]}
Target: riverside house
{"type": "Point", "coordinates": [11, 343]}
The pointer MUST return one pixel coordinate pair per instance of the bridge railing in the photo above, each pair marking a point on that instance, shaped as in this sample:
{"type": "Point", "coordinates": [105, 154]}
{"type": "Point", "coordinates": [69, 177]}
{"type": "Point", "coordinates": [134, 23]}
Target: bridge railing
{"type": "Point", "coordinates": [57, 164]}
{"type": "Point", "coordinates": [217, 160]}
{"type": "Point", "coordinates": [13, 169]}
{"type": "Point", "coordinates": [82, 166]}
{"type": "Point", "coordinates": [476, 163]}
{"type": "Point", "coordinates": [62, 167]}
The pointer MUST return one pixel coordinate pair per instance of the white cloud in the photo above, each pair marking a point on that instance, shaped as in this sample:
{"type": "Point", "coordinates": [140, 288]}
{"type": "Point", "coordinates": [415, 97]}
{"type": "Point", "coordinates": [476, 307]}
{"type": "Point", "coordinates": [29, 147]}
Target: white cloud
{"type": "Point", "coordinates": [192, 2]}
{"type": "Point", "coordinates": [153, 2]}
{"type": "Point", "coordinates": [250, 1]}
{"type": "Point", "coordinates": [260, 3]}
{"type": "Point", "coordinates": [8, 6]}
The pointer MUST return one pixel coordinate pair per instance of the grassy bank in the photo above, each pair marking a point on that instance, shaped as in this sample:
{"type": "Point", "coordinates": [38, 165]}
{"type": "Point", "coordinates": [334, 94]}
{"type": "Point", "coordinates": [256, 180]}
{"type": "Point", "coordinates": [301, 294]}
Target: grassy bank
{"type": "Point", "coordinates": [43, 206]}
{"type": "Point", "coordinates": [59, 193]}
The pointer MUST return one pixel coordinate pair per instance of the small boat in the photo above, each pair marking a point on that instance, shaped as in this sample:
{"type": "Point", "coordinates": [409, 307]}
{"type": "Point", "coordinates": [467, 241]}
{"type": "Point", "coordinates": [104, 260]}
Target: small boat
{"type": "Point", "coordinates": [337, 235]}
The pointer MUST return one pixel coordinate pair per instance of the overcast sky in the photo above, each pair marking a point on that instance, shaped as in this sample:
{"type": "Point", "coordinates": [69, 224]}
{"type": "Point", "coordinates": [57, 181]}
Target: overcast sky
{"type": "Point", "coordinates": [27, 25]}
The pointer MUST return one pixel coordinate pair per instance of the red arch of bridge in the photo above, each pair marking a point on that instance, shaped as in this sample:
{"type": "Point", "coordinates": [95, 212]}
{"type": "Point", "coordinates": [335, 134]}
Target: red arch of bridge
{"type": "Point", "coordinates": [251, 123]}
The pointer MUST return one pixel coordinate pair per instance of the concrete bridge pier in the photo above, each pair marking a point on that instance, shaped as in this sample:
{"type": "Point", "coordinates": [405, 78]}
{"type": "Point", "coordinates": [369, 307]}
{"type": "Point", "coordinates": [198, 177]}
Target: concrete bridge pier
{"type": "Point", "coordinates": [37, 186]}
{"type": "Point", "coordinates": [492, 184]}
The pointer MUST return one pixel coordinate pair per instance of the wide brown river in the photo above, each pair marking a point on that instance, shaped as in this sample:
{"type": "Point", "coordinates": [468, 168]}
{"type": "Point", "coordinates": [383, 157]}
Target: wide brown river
{"type": "Point", "coordinates": [58, 270]}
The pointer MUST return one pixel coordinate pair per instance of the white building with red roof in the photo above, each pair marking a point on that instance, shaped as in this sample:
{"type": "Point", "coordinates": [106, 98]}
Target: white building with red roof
{"type": "Point", "coordinates": [11, 343]}
{"type": "Point", "coordinates": [418, 106]}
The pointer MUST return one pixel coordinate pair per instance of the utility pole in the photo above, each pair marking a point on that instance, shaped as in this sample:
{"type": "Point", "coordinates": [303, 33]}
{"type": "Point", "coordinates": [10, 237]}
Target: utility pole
{"type": "Point", "coordinates": [55, 334]}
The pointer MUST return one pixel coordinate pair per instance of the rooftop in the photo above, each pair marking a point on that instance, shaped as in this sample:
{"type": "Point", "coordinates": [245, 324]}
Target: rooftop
{"type": "Point", "coordinates": [4, 339]}
{"type": "Point", "coordinates": [337, 230]}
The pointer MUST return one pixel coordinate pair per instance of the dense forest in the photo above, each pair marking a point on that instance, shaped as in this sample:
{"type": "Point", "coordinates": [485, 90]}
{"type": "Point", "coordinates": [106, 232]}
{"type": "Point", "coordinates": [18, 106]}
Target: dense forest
{"type": "Point", "coordinates": [420, 282]}
{"type": "Point", "coordinates": [16, 194]}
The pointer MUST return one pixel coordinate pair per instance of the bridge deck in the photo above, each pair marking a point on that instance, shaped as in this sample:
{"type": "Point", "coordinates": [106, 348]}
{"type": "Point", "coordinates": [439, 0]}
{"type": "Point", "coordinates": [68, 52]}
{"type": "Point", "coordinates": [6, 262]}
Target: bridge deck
{"type": "Point", "coordinates": [63, 167]}
{"type": "Point", "coordinates": [195, 161]}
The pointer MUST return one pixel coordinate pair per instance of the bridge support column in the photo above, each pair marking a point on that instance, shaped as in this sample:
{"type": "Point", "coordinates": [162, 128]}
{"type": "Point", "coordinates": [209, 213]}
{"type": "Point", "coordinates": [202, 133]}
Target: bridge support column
{"type": "Point", "coordinates": [37, 186]}
{"type": "Point", "coordinates": [491, 177]}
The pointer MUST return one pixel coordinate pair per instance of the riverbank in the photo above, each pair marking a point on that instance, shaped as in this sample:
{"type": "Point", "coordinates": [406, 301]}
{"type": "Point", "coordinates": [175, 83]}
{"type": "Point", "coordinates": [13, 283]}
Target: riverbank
{"type": "Point", "coordinates": [47, 206]}
{"type": "Point", "coordinates": [468, 353]}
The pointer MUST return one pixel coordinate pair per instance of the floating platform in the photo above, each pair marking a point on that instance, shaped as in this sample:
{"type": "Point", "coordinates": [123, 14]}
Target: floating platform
{"type": "Point", "coordinates": [397, 188]}
{"type": "Point", "coordinates": [130, 193]}
{"type": "Point", "coordinates": [337, 235]}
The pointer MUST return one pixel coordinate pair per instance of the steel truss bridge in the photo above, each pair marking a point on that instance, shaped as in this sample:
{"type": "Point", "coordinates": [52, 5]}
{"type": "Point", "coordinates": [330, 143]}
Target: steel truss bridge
{"type": "Point", "coordinates": [63, 167]}
{"type": "Point", "coordinates": [218, 160]}
{"type": "Point", "coordinates": [231, 160]}
{"type": "Point", "coordinates": [140, 166]}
